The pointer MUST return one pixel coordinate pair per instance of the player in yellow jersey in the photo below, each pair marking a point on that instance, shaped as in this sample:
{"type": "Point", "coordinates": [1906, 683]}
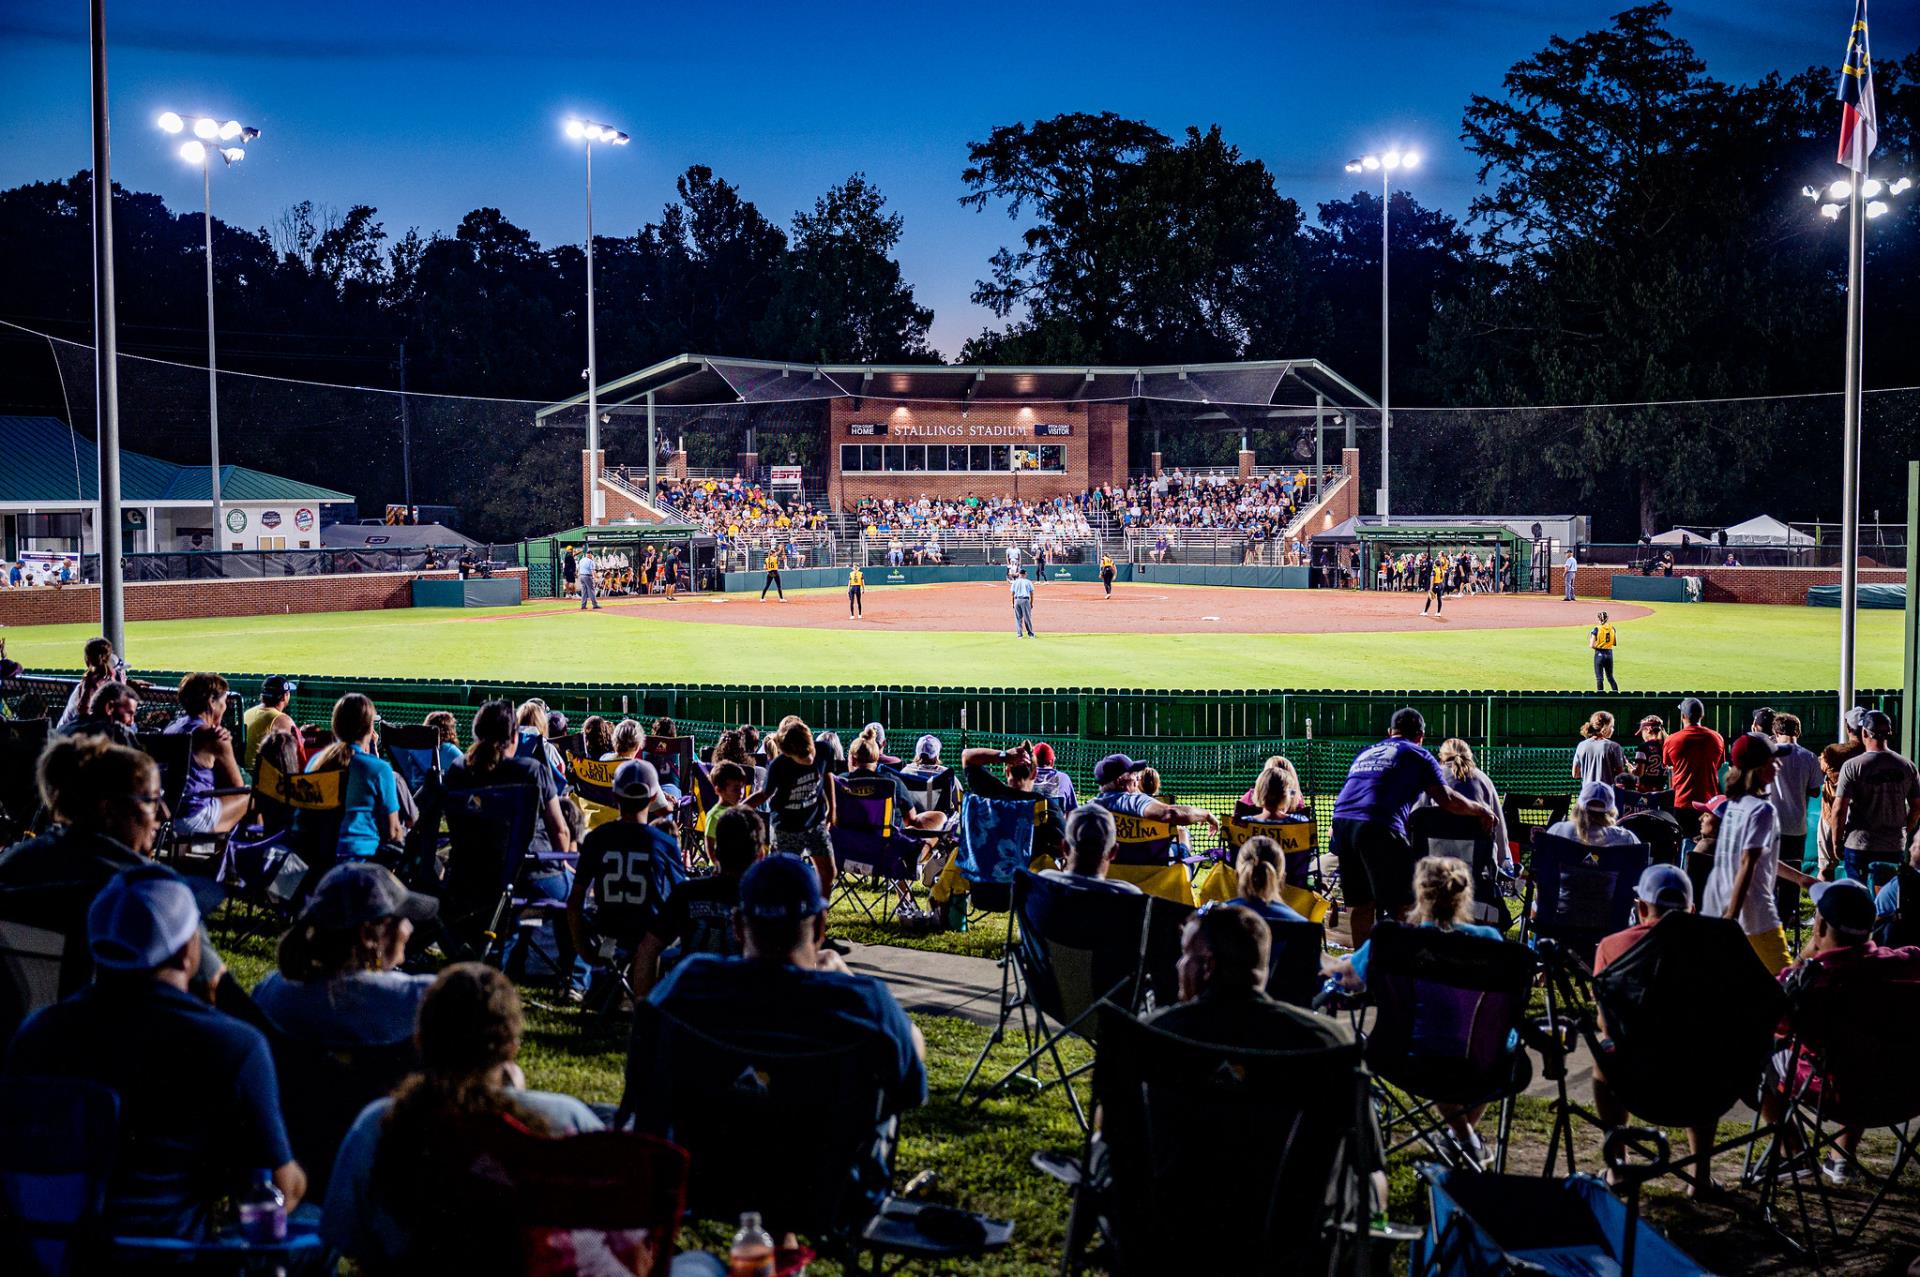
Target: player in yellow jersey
{"type": "Point", "coordinates": [1106, 574]}
{"type": "Point", "coordinates": [1603, 640]}
{"type": "Point", "coordinates": [856, 582]}
{"type": "Point", "coordinates": [773, 576]}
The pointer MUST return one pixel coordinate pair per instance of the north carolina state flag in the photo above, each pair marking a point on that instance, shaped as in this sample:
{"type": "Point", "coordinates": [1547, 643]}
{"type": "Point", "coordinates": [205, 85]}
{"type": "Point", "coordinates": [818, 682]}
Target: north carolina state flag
{"type": "Point", "coordinates": [1857, 131]}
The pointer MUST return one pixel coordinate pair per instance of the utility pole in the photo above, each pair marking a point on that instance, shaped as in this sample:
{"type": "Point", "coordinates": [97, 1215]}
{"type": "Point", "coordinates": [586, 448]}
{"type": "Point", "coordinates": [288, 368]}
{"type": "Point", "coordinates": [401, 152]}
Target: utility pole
{"type": "Point", "coordinates": [406, 434]}
{"type": "Point", "coordinates": [106, 350]}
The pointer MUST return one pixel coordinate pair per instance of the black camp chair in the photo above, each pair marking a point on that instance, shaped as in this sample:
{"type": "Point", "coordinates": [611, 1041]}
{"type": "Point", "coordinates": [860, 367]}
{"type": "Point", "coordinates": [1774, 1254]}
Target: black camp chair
{"type": "Point", "coordinates": [1688, 1020]}
{"type": "Point", "coordinates": [1578, 895]}
{"type": "Point", "coordinates": [22, 741]}
{"type": "Point", "coordinates": [1293, 965]}
{"type": "Point", "coordinates": [721, 1100]}
{"type": "Point", "coordinates": [1434, 832]}
{"type": "Point", "coordinates": [1449, 1007]}
{"type": "Point", "coordinates": [1526, 812]}
{"type": "Point", "coordinates": [1280, 1143]}
{"type": "Point", "coordinates": [1903, 927]}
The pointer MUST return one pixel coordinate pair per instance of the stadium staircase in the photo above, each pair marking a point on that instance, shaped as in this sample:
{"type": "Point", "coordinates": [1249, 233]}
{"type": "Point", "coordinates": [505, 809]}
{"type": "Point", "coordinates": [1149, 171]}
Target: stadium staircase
{"type": "Point", "coordinates": [629, 501]}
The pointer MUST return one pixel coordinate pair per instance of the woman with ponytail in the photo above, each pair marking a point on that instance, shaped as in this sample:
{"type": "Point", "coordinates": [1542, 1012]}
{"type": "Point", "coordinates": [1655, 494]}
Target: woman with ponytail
{"type": "Point", "coordinates": [370, 818]}
{"type": "Point", "coordinates": [490, 761]}
{"type": "Point", "coordinates": [103, 667]}
{"type": "Point", "coordinates": [1261, 871]}
{"type": "Point", "coordinates": [1598, 757]}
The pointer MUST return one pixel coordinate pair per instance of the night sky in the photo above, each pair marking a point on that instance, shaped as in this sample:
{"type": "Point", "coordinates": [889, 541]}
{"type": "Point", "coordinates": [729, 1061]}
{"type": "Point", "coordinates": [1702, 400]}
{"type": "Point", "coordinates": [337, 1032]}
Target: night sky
{"type": "Point", "coordinates": [427, 110]}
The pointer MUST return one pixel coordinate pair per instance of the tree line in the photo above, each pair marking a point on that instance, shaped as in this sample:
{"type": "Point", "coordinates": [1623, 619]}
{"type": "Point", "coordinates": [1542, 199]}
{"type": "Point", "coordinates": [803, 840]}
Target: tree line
{"type": "Point", "coordinates": [1638, 236]}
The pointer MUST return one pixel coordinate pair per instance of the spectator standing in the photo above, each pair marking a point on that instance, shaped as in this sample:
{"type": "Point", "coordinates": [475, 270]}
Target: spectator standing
{"type": "Point", "coordinates": [589, 591]}
{"type": "Point", "coordinates": [1598, 757]}
{"type": "Point", "coordinates": [1465, 778]}
{"type": "Point", "coordinates": [199, 1102]}
{"type": "Point", "coordinates": [1746, 858]}
{"type": "Point", "coordinates": [1592, 820]}
{"type": "Point", "coordinates": [1370, 819]}
{"type": "Point", "coordinates": [1693, 754]}
{"type": "Point", "coordinates": [799, 796]}
{"type": "Point", "coordinates": [339, 981]}
{"type": "Point", "coordinates": [1796, 778]}
{"type": "Point", "coordinates": [269, 716]}
{"type": "Point", "coordinates": [1603, 638]}
{"type": "Point", "coordinates": [1832, 759]}
{"type": "Point", "coordinates": [1876, 800]}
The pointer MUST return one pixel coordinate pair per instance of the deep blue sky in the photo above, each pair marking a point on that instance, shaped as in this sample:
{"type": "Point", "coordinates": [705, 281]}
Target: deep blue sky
{"type": "Point", "coordinates": [427, 110]}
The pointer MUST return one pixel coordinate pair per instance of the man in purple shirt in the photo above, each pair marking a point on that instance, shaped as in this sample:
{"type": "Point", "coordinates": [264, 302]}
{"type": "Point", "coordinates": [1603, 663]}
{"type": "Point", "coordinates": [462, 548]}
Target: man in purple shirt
{"type": "Point", "coordinates": [1370, 819]}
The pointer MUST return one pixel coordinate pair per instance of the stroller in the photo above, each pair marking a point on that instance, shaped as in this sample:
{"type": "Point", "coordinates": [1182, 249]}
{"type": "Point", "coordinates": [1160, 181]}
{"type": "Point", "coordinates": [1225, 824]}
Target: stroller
{"type": "Point", "coordinates": [1500, 1224]}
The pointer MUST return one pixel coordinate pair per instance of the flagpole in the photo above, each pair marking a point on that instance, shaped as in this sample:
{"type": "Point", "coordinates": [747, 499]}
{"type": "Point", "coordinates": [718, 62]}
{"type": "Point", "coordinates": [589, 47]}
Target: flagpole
{"type": "Point", "coordinates": [1850, 446]}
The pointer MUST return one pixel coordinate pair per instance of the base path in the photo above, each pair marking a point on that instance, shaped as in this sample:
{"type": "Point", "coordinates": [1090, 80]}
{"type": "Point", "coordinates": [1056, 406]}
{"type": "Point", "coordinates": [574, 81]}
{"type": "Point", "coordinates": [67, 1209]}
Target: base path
{"type": "Point", "coordinates": [1073, 607]}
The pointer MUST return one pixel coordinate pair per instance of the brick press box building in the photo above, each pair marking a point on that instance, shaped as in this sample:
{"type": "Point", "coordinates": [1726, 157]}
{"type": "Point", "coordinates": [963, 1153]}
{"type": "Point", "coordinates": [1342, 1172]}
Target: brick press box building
{"type": "Point", "coordinates": [901, 430]}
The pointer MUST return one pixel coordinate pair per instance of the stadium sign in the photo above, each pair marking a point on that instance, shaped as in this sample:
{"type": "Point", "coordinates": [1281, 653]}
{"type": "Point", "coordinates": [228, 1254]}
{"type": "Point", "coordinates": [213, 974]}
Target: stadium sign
{"type": "Point", "coordinates": [303, 519]}
{"type": "Point", "coordinates": [270, 519]}
{"type": "Point", "coordinates": [785, 476]}
{"type": "Point", "coordinates": [236, 520]}
{"type": "Point", "coordinates": [867, 429]}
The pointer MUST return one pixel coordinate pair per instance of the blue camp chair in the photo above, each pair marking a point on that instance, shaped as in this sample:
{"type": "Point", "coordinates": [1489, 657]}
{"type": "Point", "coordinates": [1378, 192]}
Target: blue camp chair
{"type": "Point", "coordinates": [1492, 1225]}
{"type": "Point", "coordinates": [999, 836]}
{"type": "Point", "coordinates": [873, 846]}
{"type": "Point", "coordinates": [1578, 895]}
{"type": "Point", "coordinates": [1293, 966]}
{"type": "Point", "coordinates": [414, 751]}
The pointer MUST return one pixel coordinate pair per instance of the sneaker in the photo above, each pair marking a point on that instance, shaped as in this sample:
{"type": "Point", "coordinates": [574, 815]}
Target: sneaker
{"type": "Point", "coordinates": [1793, 1168]}
{"type": "Point", "coordinates": [1837, 1171]}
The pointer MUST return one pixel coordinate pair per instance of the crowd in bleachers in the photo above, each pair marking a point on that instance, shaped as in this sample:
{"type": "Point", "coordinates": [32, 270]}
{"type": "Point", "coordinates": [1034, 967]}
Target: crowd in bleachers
{"type": "Point", "coordinates": [1176, 500]}
{"type": "Point", "coordinates": [365, 1099]}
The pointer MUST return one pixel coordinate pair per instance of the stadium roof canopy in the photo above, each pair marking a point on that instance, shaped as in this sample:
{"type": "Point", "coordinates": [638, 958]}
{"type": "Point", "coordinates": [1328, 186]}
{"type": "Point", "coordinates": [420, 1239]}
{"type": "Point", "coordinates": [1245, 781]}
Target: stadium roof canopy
{"type": "Point", "coordinates": [43, 461]}
{"type": "Point", "coordinates": [707, 380]}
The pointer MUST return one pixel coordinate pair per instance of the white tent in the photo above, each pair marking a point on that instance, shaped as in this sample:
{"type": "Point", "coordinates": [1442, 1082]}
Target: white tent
{"type": "Point", "coordinates": [1764, 529]}
{"type": "Point", "coordinates": [1675, 536]}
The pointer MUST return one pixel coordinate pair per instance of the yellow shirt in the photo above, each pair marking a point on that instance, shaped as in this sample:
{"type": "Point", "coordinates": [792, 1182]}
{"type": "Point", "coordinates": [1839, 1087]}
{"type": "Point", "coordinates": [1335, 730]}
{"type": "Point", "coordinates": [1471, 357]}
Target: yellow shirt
{"type": "Point", "coordinates": [773, 563]}
{"type": "Point", "coordinates": [855, 579]}
{"type": "Point", "coordinates": [1603, 637]}
{"type": "Point", "coordinates": [1106, 562]}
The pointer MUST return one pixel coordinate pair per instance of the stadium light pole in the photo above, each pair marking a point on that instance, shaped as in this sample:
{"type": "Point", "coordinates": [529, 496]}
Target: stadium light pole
{"type": "Point", "coordinates": [1385, 163]}
{"type": "Point", "coordinates": [106, 349]}
{"type": "Point", "coordinates": [591, 132]}
{"type": "Point", "coordinates": [229, 142]}
{"type": "Point", "coordinates": [1866, 200]}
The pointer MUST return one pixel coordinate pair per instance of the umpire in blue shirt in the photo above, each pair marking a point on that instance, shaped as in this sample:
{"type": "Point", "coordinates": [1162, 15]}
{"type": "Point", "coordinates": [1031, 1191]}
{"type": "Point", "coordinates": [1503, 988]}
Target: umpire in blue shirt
{"type": "Point", "coordinates": [1022, 604]}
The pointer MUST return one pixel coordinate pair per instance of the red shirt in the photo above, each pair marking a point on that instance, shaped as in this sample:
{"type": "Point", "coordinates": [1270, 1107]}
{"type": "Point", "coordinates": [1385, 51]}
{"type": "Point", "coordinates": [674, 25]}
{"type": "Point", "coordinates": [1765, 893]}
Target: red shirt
{"type": "Point", "coordinates": [1695, 755]}
{"type": "Point", "coordinates": [1619, 942]}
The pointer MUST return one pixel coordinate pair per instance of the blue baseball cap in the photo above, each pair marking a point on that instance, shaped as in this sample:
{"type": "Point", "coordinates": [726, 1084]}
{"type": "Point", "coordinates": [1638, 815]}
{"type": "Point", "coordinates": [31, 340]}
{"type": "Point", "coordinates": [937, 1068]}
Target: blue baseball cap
{"type": "Point", "coordinates": [1846, 903]}
{"type": "Point", "coordinates": [140, 919]}
{"type": "Point", "coordinates": [1113, 767]}
{"type": "Point", "coordinates": [636, 780]}
{"type": "Point", "coordinates": [781, 886]}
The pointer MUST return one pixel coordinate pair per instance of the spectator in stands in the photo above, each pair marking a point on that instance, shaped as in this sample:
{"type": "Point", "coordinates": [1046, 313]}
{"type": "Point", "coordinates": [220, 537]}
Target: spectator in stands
{"type": "Point", "coordinates": [878, 735]}
{"type": "Point", "coordinates": [1465, 778]}
{"type": "Point", "coordinates": [1276, 791]}
{"type": "Point", "coordinates": [1832, 759]}
{"type": "Point", "coordinates": [1591, 822]}
{"type": "Point", "coordinates": [864, 778]}
{"type": "Point", "coordinates": [1091, 838]}
{"type": "Point", "coordinates": [112, 713]}
{"type": "Point", "coordinates": [731, 785]}
{"type": "Point", "coordinates": [371, 816]}
{"type": "Point", "coordinates": [1842, 949]}
{"type": "Point", "coordinates": [1119, 780]}
{"type": "Point", "coordinates": [1876, 800]}
{"type": "Point", "coordinates": [199, 1102]}
{"type": "Point", "coordinates": [535, 740]}
{"type": "Point", "coordinates": [392, 1201]}
{"type": "Point", "coordinates": [211, 762]}
{"type": "Point", "coordinates": [1796, 779]}
{"type": "Point", "coordinates": [490, 762]}
{"type": "Point", "coordinates": [1224, 957]}
{"type": "Point", "coordinates": [616, 863]}
{"type": "Point", "coordinates": [1049, 779]}
{"type": "Point", "coordinates": [1694, 754]}
{"type": "Point", "coordinates": [1746, 858]}
{"type": "Point", "coordinates": [270, 715]}
{"type": "Point", "coordinates": [102, 667]}
{"type": "Point", "coordinates": [1370, 819]}
{"type": "Point", "coordinates": [1889, 918]}
{"type": "Point", "coordinates": [626, 741]}
{"type": "Point", "coordinates": [443, 722]}
{"type": "Point", "coordinates": [785, 983]}
{"type": "Point", "coordinates": [1598, 757]}
{"type": "Point", "coordinates": [742, 745]}
{"type": "Point", "coordinates": [339, 981]}
{"type": "Point", "coordinates": [1018, 764]}
{"type": "Point", "coordinates": [596, 735]}
{"type": "Point", "coordinates": [1260, 871]}
{"type": "Point", "coordinates": [798, 795]}
{"type": "Point", "coordinates": [699, 916]}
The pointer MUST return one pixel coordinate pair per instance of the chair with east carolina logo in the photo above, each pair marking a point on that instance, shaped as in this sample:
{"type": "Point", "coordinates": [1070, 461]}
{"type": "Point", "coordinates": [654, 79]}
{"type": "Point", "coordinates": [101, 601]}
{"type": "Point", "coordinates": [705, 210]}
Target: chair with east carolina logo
{"type": "Point", "coordinates": [873, 846]}
{"type": "Point", "coordinates": [591, 780]}
{"type": "Point", "coordinates": [286, 842]}
{"type": "Point", "coordinates": [1147, 856]}
{"type": "Point", "coordinates": [1300, 851]}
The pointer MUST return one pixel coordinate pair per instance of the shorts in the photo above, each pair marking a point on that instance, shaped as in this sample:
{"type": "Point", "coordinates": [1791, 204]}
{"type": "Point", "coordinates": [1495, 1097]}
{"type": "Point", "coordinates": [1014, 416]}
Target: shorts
{"type": "Point", "coordinates": [1376, 864]}
{"type": "Point", "coordinates": [204, 819]}
{"type": "Point", "coordinates": [1771, 946]}
{"type": "Point", "coordinates": [815, 842]}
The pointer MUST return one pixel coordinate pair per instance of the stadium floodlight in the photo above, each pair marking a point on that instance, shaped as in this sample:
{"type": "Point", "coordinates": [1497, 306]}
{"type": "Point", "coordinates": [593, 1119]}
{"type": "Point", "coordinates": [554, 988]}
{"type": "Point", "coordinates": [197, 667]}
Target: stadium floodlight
{"type": "Point", "coordinates": [1840, 189]}
{"type": "Point", "coordinates": [1386, 163]}
{"type": "Point", "coordinates": [1876, 208]}
{"type": "Point", "coordinates": [195, 150]}
{"type": "Point", "coordinates": [1870, 188]}
{"type": "Point", "coordinates": [1830, 211]}
{"type": "Point", "coordinates": [1900, 186]}
{"type": "Point", "coordinates": [591, 131]}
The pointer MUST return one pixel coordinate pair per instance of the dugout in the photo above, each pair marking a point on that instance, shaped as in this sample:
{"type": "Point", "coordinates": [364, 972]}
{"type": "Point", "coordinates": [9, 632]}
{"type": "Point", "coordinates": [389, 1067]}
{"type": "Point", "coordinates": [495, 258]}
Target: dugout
{"type": "Point", "coordinates": [1512, 553]}
{"type": "Point", "coordinates": [697, 549]}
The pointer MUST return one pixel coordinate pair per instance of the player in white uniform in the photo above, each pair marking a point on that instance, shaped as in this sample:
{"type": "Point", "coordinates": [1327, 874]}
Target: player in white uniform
{"type": "Point", "coordinates": [1013, 561]}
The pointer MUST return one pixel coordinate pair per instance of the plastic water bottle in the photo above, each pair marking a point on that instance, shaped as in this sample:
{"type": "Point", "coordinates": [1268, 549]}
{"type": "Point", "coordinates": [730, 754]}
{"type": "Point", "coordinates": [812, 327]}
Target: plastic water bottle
{"type": "Point", "coordinates": [263, 1211]}
{"type": "Point", "coordinates": [752, 1253]}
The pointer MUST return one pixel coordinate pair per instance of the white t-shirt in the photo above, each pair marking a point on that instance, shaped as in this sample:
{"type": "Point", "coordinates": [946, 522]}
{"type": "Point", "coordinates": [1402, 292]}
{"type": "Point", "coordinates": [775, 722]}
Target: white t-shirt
{"type": "Point", "coordinates": [1796, 779]}
{"type": "Point", "coordinates": [1746, 822]}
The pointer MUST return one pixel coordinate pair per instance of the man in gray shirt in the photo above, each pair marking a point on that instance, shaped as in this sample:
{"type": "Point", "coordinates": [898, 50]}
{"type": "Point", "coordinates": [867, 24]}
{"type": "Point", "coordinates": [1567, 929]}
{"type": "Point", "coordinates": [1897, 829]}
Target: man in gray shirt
{"type": "Point", "coordinates": [1796, 778]}
{"type": "Point", "coordinates": [1022, 604]}
{"type": "Point", "coordinates": [1876, 800]}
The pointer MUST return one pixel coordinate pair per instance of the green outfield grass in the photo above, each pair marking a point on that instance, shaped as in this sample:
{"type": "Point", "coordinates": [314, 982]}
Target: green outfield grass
{"type": "Point", "coordinates": [1700, 647]}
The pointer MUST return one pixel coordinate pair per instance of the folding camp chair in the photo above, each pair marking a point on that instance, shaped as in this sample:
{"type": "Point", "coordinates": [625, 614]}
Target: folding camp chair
{"type": "Point", "coordinates": [1293, 965]}
{"type": "Point", "coordinates": [1658, 829]}
{"type": "Point", "coordinates": [1449, 1009]}
{"type": "Point", "coordinates": [937, 792]}
{"type": "Point", "coordinates": [1493, 1225]}
{"type": "Point", "coordinates": [1679, 1025]}
{"type": "Point", "coordinates": [1148, 855]}
{"type": "Point", "coordinates": [1434, 832]}
{"type": "Point", "coordinates": [1854, 1047]}
{"type": "Point", "coordinates": [720, 1100]}
{"type": "Point", "coordinates": [1524, 812]}
{"type": "Point", "coordinates": [1076, 948]}
{"type": "Point", "coordinates": [1578, 895]}
{"type": "Point", "coordinates": [1903, 927]}
{"type": "Point", "coordinates": [22, 741]}
{"type": "Point", "coordinates": [873, 847]}
{"type": "Point", "coordinates": [591, 781]}
{"type": "Point", "coordinates": [490, 830]}
{"type": "Point", "coordinates": [414, 751]}
{"type": "Point", "coordinates": [1292, 1179]}
{"type": "Point", "coordinates": [326, 1088]}
{"type": "Point", "coordinates": [272, 870]}
{"type": "Point", "coordinates": [43, 949]}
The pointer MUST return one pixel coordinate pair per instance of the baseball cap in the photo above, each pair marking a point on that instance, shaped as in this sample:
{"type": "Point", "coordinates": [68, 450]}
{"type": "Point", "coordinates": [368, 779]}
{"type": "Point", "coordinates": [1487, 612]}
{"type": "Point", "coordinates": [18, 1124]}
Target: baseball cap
{"type": "Point", "coordinates": [636, 780]}
{"type": "Point", "coordinates": [1665, 885]}
{"type": "Point", "coordinates": [1877, 725]}
{"type": "Point", "coordinates": [1043, 754]}
{"type": "Point", "coordinates": [1113, 767]}
{"type": "Point", "coordinates": [927, 746]}
{"type": "Point", "coordinates": [277, 685]}
{"type": "Point", "coordinates": [1749, 750]}
{"type": "Point", "coordinates": [878, 732]}
{"type": "Point", "coordinates": [1856, 718]}
{"type": "Point", "coordinates": [781, 886]}
{"type": "Point", "coordinates": [1692, 708]}
{"type": "Point", "coordinates": [1845, 903]}
{"type": "Point", "coordinates": [1652, 720]}
{"type": "Point", "coordinates": [556, 723]}
{"type": "Point", "coordinates": [1597, 795]}
{"type": "Point", "coordinates": [354, 893]}
{"type": "Point", "coordinates": [140, 919]}
{"type": "Point", "coordinates": [1712, 805]}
